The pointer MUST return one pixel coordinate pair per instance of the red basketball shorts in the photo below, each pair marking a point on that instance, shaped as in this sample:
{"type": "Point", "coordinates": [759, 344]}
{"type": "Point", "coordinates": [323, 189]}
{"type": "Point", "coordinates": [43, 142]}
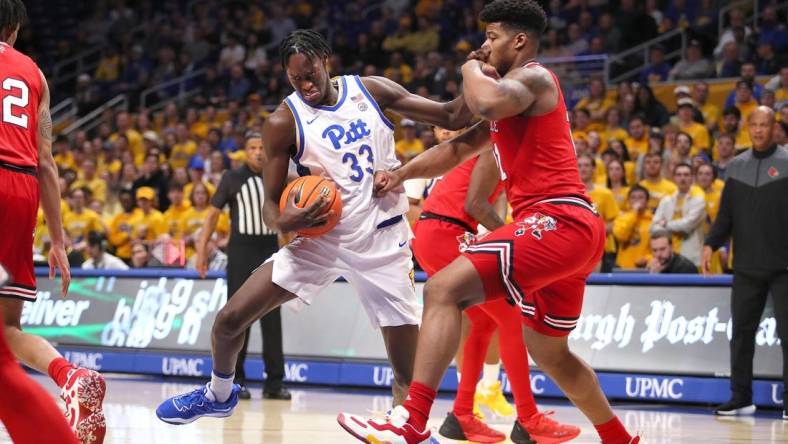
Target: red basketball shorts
{"type": "Point", "coordinates": [18, 209]}
{"type": "Point", "coordinates": [435, 244]}
{"type": "Point", "coordinates": [541, 262]}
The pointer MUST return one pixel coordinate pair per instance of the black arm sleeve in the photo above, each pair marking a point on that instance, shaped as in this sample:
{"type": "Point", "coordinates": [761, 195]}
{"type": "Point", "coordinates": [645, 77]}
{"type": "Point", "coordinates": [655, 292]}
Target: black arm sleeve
{"type": "Point", "coordinates": [723, 225]}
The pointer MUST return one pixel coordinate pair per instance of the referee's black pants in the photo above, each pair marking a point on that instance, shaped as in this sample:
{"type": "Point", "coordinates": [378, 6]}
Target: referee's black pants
{"type": "Point", "coordinates": [242, 259]}
{"type": "Point", "coordinates": [748, 300]}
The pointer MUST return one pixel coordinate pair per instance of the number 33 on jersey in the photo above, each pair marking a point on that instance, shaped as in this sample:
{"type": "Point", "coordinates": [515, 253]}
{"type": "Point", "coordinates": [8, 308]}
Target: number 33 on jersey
{"type": "Point", "coordinates": [346, 142]}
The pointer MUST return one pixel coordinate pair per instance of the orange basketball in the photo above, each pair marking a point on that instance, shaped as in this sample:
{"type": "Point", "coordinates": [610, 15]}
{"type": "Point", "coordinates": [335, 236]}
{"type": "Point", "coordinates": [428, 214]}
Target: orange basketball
{"type": "Point", "coordinates": [306, 190]}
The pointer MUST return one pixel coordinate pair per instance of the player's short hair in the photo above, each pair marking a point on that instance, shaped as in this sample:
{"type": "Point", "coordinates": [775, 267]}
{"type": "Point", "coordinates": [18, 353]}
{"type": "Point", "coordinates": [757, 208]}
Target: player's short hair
{"type": "Point", "coordinates": [521, 15]}
{"type": "Point", "coordinates": [304, 41]}
{"type": "Point", "coordinates": [12, 14]}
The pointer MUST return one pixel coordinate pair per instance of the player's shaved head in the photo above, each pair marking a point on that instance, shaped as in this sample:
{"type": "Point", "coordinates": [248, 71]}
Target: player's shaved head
{"type": "Point", "coordinates": [12, 15]}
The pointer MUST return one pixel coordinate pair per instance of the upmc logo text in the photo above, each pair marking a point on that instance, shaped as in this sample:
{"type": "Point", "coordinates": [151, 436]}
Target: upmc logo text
{"type": "Point", "coordinates": [182, 366]}
{"type": "Point", "coordinates": [87, 360]}
{"type": "Point", "coordinates": [296, 372]}
{"type": "Point", "coordinates": [654, 388]}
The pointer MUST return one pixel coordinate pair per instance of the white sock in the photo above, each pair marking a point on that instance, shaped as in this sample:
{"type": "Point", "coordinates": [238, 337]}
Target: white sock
{"type": "Point", "coordinates": [490, 374]}
{"type": "Point", "coordinates": [221, 387]}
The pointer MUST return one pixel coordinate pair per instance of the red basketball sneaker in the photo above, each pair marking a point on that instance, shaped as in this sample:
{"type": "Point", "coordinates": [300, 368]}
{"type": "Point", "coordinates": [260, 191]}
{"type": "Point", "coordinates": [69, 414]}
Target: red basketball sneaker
{"type": "Point", "coordinates": [84, 393]}
{"type": "Point", "coordinates": [393, 430]}
{"type": "Point", "coordinates": [469, 428]}
{"type": "Point", "coordinates": [544, 430]}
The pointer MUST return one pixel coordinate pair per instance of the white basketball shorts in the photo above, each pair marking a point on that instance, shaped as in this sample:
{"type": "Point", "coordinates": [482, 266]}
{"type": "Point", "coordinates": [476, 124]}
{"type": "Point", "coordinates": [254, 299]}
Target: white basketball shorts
{"type": "Point", "coordinates": [378, 266]}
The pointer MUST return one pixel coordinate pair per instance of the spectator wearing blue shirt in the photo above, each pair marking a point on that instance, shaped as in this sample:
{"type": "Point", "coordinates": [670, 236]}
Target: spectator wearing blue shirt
{"type": "Point", "coordinates": [658, 69]}
{"type": "Point", "coordinates": [747, 72]}
{"type": "Point", "coordinates": [771, 31]}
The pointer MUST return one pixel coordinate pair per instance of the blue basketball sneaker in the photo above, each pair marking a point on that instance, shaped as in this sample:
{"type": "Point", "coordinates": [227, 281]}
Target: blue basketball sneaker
{"type": "Point", "coordinates": [189, 407]}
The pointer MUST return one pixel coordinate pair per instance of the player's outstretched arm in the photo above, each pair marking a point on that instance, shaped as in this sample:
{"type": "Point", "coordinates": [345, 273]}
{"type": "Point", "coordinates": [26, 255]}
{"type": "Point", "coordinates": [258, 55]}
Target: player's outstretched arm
{"type": "Point", "coordinates": [49, 190]}
{"type": "Point", "coordinates": [452, 115]}
{"type": "Point", "coordinates": [493, 98]}
{"type": "Point", "coordinates": [437, 160]}
{"type": "Point", "coordinates": [278, 138]}
{"type": "Point", "coordinates": [484, 180]}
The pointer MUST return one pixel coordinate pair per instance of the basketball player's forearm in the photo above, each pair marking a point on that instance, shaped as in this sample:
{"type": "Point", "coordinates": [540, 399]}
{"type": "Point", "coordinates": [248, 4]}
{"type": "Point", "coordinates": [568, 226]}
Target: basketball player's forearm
{"type": "Point", "coordinates": [441, 158]}
{"type": "Point", "coordinates": [50, 199]}
{"type": "Point", "coordinates": [208, 227]}
{"type": "Point", "coordinates": [493, 99]}
{"type": "Point", "coordinates": [486, 215]}
{"type": "Point", "coordinates": [460, 114]}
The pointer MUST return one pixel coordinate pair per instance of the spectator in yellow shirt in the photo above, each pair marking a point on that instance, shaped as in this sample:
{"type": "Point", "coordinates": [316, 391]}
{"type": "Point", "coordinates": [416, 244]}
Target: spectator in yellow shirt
{"type": "Point", "coordinates": [193, 218]}
{"type": "Point", "coordinates": [151, 223]}
{"type": "Point", "coordinates": [631, 230]}
{"type": "Point", "coordinates": [122, 227]}
{"type": "Point", "coordinates": [409, 146]}
{"type": "Point", "coordinates": [732, 125]}
{"type": "Point", "coordinates": [620, 148]}
{"type": "Point", "coordinates": [183, 149]}
{"type": "Point", "coordinates": [710, 111]}
{"type": "Point", "coordinates": [605, 203]}
{"type": "Point", "coordinates": [637, 142]}
{"type": "Point", "coordinates": [80, 222]}
{"type": "Point", "coordinates": [597, 103]}
{"type": "Point", "coordinates": [613, 129]}
{"type": "Point", "coordinates": [581, 118]}
{"type": "Point", "coordinates": [657, 186]}
{"type": "Point", "coordinates": [698, 133]}
{"type": "Point", "coordinates": [745, 102]}
{"type": "Point", "coordinates": [617, 183]}
{"type": "Point", "coordinates": [197, 176]}
{"type": "Point", "coordinates": [134, 138]}
{"type": "Point", "coordinates": [174, 214]}
{"type": "Point", "coordinates": [89, 180]}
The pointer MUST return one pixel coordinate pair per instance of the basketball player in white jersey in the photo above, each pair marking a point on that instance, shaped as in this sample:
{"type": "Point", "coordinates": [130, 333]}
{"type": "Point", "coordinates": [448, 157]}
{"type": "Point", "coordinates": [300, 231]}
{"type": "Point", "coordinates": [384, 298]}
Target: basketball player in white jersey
{"type": "Point", "coordinates": [334, 128]}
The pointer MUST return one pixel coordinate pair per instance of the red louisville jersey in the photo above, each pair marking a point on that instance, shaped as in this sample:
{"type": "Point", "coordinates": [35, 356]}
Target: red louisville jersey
{"type": "Point", "coordinates": [447, 197]}
{"type": "Point", "coordinates": [536, 156]}
{"type": "Point", "coordinates": [20, 95]}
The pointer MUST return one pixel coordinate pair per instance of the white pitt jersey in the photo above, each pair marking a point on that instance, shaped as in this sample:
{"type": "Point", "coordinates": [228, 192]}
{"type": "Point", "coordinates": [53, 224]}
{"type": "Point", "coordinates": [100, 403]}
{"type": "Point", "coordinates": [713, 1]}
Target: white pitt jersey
{"type": "Point", "coordinates": [347, 143]}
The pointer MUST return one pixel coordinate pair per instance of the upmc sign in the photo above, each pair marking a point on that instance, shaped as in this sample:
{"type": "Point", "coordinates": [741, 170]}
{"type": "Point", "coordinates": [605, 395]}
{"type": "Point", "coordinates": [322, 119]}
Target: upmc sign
{"type": "Point", "coordinates": [642, 329]}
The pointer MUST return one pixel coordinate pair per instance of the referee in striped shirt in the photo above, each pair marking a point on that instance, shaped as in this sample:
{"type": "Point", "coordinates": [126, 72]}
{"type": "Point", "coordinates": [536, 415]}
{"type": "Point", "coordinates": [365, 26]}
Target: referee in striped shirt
{"type": "Point", "coordinates": [251, 243]}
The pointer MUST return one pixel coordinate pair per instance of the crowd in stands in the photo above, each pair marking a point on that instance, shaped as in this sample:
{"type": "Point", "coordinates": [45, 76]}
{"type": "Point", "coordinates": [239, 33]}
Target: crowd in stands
{"type": "Point", "coordinates": [650, 171]}
{"type": "Point", "coordinates": [138, 186]}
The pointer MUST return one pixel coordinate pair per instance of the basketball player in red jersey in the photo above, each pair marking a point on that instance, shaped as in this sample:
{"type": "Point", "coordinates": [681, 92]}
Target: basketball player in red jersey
{"type": "Point", "coordinates": [540, 262]}
{"type": "Point", "coordinates": [27, 169]}
{"type": "Point", "coordinates": [455, 206]}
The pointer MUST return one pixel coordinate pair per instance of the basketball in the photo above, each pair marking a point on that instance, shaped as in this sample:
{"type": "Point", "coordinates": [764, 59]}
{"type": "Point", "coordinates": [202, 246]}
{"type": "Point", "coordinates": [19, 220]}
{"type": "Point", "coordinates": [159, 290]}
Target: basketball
{"type": "Point", "coordinates": [308, 189]}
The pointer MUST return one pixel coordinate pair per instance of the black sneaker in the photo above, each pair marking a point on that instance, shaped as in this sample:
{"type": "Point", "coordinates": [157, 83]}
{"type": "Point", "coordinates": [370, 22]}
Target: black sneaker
{"type": "Point", "coordinates": [451, 428]}
{"type": "Point", "coordinates": [244, 393]}
{"type": "Point", "coordinates": [280, 393]}
{"type": "Point", "coordinates": [735, 408]}
{"type": "Point", "coordinates": [520, 435]}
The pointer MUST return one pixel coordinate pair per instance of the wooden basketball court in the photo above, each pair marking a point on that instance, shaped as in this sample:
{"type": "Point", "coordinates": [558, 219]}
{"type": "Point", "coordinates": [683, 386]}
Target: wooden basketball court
{"type": "Point", "coordinates": [310, 418]}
